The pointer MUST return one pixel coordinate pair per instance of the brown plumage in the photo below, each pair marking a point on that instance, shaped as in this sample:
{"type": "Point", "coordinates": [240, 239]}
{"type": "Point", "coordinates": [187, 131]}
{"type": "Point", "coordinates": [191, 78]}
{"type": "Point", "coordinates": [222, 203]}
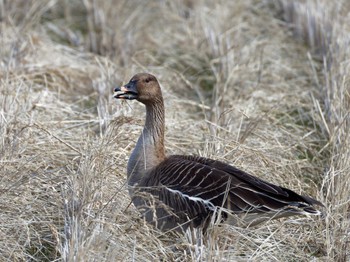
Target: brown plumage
{"type": "Point", "coordinates": [179, 191]}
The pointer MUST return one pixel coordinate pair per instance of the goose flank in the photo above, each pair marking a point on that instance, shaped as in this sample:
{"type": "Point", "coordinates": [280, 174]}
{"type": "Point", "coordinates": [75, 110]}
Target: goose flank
{"type": "Point", "coordinates": [178, 191]}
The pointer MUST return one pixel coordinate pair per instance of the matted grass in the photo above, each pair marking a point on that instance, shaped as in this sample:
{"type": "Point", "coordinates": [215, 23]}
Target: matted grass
{"type": "Point", "coordinates": [263, 85]}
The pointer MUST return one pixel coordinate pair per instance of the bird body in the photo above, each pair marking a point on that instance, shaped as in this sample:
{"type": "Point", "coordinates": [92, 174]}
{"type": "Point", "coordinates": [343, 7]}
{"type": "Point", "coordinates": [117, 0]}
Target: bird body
{"type": "Point", "coordinates": [179, 191]}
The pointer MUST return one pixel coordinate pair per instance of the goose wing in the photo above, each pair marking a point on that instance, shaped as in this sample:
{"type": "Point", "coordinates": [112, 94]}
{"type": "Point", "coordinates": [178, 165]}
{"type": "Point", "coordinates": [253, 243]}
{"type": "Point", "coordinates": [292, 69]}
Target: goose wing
{"type": "Point", "coordinates": [198, 187]}
{"type": "Point", "coordinates": [264, 187]}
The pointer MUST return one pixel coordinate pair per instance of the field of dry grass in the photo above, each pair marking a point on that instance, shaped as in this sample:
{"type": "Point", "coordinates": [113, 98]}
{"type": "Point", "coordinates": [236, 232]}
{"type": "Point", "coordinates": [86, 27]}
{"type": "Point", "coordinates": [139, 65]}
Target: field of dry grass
{"type": "Point", "coordinates": [263, 85]}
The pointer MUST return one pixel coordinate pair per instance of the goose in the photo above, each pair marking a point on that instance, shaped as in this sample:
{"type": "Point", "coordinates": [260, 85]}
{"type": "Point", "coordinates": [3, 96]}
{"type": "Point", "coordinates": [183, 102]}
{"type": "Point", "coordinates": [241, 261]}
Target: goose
{"type": "Point", "coordinates": [181, 191]}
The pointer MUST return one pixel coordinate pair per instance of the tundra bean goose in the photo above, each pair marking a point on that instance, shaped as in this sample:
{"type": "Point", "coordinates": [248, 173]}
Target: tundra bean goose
{"type": "Point", "coordinates": [174, 192]}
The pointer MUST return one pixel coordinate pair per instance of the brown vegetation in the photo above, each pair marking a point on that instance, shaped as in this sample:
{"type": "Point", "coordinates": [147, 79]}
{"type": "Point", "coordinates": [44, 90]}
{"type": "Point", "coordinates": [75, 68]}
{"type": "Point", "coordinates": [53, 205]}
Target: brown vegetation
{"type": "Point", "coordinates": [263, 85]}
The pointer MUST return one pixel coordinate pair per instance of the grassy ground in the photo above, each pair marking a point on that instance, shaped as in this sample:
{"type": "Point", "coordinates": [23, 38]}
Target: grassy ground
{"type": "Point", "coordinates": [263, 85]}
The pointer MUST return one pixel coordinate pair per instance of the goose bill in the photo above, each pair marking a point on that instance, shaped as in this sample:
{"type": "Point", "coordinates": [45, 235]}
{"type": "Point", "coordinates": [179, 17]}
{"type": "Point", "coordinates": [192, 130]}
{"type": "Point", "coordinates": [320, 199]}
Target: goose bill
{"type": "Point", "coordinates": [123, 93]}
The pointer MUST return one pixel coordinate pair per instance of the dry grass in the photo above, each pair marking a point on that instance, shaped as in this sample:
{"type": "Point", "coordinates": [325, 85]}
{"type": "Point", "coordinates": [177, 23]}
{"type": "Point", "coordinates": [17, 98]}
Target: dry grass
{"type": "Point", "coordinates": [263, 85]}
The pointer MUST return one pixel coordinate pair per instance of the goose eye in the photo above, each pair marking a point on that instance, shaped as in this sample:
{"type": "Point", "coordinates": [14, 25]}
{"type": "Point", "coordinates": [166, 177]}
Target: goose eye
{"type": "Point", "coordinates": [148, 80]}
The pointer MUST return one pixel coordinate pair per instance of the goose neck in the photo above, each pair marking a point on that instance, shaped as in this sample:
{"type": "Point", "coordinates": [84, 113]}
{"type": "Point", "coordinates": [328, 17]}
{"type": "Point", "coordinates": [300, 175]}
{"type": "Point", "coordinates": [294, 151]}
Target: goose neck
{"type": "Point", "coordinates": [154, 125]}
{"type": "Point", "coordinates": [149, 150]}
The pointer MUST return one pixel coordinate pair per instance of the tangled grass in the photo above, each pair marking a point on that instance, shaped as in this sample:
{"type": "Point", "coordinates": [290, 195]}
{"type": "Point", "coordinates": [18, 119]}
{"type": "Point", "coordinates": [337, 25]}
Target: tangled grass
{"type": "Point", "coordinates": [263, 85]}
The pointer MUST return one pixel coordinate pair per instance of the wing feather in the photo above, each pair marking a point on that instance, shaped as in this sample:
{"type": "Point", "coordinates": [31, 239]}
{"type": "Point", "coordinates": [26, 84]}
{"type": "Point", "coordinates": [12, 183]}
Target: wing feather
{"type": "Point", "coordinates": [195, 188]}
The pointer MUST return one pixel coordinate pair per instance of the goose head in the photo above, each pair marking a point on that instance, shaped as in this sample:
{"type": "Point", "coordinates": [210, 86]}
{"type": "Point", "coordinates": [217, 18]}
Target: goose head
{"type": "Point", "coordinates": [143, 87]}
